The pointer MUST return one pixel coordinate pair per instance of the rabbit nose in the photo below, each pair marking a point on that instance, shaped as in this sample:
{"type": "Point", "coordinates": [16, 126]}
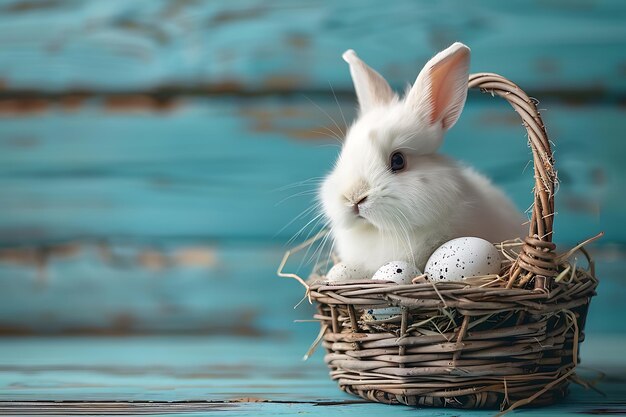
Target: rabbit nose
{"type": "Point", "coordinates": [355, 206]}
{"type": "Point", "coordinates": [356, 195]}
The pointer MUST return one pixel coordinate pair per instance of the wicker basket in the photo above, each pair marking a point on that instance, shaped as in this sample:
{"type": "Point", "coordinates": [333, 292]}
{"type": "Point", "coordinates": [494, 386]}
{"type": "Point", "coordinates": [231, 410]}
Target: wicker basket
{"type": "Point", "coordinates": [485, 342]}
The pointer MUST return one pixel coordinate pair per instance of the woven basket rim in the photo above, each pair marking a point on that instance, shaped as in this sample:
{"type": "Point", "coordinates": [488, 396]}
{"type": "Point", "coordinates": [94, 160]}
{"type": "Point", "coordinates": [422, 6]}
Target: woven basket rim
{"type": "Point", "coordinates": [473, 300]}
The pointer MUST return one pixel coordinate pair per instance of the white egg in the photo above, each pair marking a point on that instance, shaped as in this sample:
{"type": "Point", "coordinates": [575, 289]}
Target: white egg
{"type": "Point", "coordinates": [463, 257]}
{"type": "Point", "coordinates": [342, 272]}
{"type": "Point", "coordinates": [399, 272]}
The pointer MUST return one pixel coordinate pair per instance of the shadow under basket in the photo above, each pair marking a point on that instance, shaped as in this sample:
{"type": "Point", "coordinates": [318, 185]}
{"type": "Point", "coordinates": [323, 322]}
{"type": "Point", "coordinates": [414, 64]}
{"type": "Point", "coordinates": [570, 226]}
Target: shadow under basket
{"type": "Point", "coordinates": [487, 342]}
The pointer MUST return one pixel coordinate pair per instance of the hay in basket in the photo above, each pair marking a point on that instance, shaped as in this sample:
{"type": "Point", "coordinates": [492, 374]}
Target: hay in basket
{"type": "Point", "coordinates": [504, 340]}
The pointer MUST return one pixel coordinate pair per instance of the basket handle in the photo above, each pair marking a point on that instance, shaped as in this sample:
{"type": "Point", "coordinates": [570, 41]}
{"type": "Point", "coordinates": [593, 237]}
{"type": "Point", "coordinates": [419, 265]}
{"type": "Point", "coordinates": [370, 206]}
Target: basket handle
{"type": "Point", "coordinates": [537, 255]}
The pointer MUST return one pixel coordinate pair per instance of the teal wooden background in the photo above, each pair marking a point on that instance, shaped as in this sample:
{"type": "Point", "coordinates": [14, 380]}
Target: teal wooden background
{"type": "Point", "coordinates": [147, 147]}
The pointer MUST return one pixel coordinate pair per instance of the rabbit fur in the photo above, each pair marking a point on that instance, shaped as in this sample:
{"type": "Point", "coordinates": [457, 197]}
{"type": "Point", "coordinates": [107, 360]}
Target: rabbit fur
{"type": "Point", "coordinates": [377, 215]}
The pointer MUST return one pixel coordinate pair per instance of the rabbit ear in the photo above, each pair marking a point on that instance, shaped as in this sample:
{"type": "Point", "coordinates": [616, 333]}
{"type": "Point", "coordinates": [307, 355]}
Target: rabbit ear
{"type": "Point", "coordinates": [371, 88]}
{"type": "Point", "coordinates": [440, 90]}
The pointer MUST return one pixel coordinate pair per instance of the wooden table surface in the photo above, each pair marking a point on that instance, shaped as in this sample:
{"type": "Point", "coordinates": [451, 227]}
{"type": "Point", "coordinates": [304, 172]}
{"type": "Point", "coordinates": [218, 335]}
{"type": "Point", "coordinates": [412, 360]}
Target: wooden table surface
{"type": "Point", "coordinates": [194, 375]}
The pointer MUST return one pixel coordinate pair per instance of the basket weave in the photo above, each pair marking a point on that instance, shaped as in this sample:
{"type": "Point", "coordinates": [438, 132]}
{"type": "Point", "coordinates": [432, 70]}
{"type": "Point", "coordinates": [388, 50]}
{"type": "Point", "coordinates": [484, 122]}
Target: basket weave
{"type": "Point", "coordinates": [490, 342]}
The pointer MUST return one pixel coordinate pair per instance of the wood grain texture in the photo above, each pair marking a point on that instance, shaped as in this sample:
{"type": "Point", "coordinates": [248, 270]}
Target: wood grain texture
{"type": "Point", "coordinates": [213, 168]}
{"type": "Point", "coordinates": [280, 409]}
{"type": "Point", "coordinates": [227, 376]}
{"type": "Point", "coordinates": [187, 287]}
{"type": "Point", "coordinates": [251, 45]}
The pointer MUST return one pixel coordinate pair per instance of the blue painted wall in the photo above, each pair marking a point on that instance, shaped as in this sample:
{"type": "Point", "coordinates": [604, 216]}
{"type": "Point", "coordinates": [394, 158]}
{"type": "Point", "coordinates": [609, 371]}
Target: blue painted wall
{"type": "Point", "coordinates": [147, 148]}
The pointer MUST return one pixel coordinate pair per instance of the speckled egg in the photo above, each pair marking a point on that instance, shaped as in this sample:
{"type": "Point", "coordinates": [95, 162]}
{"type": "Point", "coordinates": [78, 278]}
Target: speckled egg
{"type": "Point", "coordinates": [342, 272]}
{"type": "Point", "coordinates": [463, 257]}
{"type": "Point", "coordinates": [376, 314]}
{"type": "Point", "coordinates": [399, 272]}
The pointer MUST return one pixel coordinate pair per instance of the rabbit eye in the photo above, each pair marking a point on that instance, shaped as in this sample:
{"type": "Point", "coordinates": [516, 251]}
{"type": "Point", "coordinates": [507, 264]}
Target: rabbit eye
{"type": "Point", "coordinates": [397, 162]}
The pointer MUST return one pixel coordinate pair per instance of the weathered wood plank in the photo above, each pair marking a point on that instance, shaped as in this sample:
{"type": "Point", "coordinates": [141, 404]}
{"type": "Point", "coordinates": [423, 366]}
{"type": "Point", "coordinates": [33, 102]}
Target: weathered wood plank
{"type": "Point", "coordinates": [245, 409]}
{"type": "Point", "coordinates": [239, 377]}
{"type": "Point", "coordinates": [162, 369]}
{"type": "Point", "coordinates": [249, 45]}
{"type": "Point", "coordinates": [213, 168]}
{"type": "Point", "coordinates": [105, 288]}
{"type": "Point", "coordinates": [190, 287]}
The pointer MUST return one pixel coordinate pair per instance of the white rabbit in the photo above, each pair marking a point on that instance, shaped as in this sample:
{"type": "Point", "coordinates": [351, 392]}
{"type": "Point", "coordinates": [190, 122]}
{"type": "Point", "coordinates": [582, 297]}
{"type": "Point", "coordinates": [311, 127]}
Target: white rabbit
{"type": "Point", "coordinates": [390, 196]}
